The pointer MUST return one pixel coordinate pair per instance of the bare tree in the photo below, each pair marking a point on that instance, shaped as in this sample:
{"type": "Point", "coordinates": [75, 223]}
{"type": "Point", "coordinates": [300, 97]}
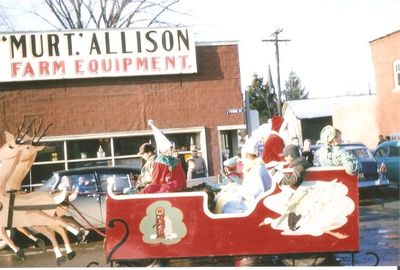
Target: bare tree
{"type": "Point", "coordinates": [5, 22]}
{"type": "Point", "coordinates": [79, 14]}
{"type": "Point", "coordinates": [84, 14]}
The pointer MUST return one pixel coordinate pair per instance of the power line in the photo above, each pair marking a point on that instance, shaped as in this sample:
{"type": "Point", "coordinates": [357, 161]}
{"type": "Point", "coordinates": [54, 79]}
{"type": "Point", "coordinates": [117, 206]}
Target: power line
{"type": "Point", "coordinates": [276, 41]}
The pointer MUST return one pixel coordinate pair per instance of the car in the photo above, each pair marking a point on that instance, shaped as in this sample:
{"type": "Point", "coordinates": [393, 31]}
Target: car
{"type": "Point", "coordinates": [371, 174]}
{"type": "Point", "coordinates": [90, 183]}
{"type": "Point", "coordinates": [388, 153]}
{"type": "Point", "coordinates": [88, 208]}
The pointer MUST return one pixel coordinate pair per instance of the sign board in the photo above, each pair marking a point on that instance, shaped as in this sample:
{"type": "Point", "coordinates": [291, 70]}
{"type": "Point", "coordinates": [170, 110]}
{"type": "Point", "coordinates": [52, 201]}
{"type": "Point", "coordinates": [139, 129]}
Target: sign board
{"type": "Point", "coordinates": [96, 53]}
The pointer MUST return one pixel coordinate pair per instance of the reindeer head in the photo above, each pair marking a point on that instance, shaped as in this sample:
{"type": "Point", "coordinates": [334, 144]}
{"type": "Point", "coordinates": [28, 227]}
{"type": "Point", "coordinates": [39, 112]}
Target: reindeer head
{"type": "Point", "coordinates": [22, 142]}
{"type": "Point", "coordinates": [28, 148]}
{"type": "Point", "coordinates": [30, 145]}
{"type": "Point", "coordinates": [10, 149]}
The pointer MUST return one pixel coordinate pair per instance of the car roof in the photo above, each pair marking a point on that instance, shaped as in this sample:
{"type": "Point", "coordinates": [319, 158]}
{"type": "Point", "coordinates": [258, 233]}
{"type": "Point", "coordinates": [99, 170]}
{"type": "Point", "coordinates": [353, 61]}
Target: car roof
{"type": "Point", "coordinates": [353, 145]}
{"type": "Point", "coordinates": [389, 143]}
{"type": "Point", "coordinates": [98, 169]}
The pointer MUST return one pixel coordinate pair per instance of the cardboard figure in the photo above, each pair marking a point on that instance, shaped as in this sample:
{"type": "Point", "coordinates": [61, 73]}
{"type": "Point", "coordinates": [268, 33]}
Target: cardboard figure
{"type": "Point", "coordinates": [21, 210]}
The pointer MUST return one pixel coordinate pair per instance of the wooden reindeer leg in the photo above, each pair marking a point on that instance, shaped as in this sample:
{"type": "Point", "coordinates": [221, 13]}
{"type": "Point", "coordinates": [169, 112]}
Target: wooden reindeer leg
{"type": "Point", "coordinates": [38, 241]}
{"type": "Point", "coordinates": [18, 252]}
{"type": "Point", "coordinates": [70, 253]}
{"type": "Point", "coordinates": [60, 259]}
{"type": "Point", "coordinates": [48, 220]}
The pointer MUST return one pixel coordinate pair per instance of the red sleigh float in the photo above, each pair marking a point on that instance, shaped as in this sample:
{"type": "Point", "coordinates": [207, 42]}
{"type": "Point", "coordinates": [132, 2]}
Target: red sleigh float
{"type": "Point", "coordinates": [321, 216]}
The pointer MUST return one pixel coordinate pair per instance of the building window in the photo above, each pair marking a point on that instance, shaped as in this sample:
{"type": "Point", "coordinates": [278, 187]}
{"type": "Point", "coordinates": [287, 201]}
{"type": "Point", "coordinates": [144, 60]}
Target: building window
{"type": "Point", "coordinates": [396, 75]}
{"type": "Point", "coordinates": [109, 150]}
{"type": "Point", "coordinates": [54, 151]}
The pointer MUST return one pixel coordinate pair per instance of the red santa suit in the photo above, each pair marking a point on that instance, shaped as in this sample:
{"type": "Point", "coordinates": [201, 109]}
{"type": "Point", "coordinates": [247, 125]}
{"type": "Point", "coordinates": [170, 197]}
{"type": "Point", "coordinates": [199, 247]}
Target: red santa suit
{"type": "Point", "coordinates": [273, 146]}
{"type": "Point", "coordinates": [167, 176]}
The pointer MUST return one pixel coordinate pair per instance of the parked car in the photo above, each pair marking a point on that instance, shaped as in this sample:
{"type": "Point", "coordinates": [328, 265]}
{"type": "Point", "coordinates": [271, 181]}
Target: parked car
{"type": "Point", "coordinates": [389, 154]}
{"type": "Point", "coordinates": [91, 194]}
{"type": "Point", "coordinates": [91, 185]}
{"type": "Point", "coordinates": [371, 174]}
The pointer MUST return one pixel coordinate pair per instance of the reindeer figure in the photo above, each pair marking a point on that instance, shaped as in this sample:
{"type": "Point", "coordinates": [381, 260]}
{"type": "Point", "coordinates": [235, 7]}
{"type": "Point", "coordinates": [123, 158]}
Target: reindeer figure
{"type": "Point", "coordinates": [9, 157]}
{"type": "Point", "coordinates": [30, 147]}
{"type": "Point", "coordinates": [38, 205]}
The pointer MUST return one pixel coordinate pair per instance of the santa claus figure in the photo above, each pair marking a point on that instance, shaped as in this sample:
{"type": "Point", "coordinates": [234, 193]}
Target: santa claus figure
{"type": "Point", "coordinates": [274, 144]}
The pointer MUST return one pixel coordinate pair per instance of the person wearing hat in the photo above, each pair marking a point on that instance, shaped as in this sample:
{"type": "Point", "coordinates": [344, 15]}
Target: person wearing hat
{"type": "Point", "coordinates": [274, 144]}
{"type": "Point", "coordinates": [147, 151]}
{"type": "Point", "coordinates": [167, 174]}
{"type": "Point", "coordinates": [332, 154]}
{"type": "Point", "coordinates": [293, 160]}
{"type": "Point", "coordinates": [200, 167]}
{"type": "Point", "coordinates": [256, 180]}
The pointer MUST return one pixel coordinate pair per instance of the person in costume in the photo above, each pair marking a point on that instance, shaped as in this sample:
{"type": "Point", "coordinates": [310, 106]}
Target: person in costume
{"type": "Point", "coordinates": [273, 146]}
{"type": "Point", "coordinates": [256, 180]}
{"type": "Point", "coordinates": [167, 174]}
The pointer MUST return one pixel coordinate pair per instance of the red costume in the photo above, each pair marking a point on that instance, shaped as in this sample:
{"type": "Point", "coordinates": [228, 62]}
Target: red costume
{"type": "Point", "coordinates": [273, 146]}
{"type": "Point", "coordinates": [167, 176]}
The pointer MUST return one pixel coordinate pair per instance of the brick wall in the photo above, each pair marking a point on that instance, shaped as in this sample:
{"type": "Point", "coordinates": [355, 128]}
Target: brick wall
{"type": "Point", "coordinates": [384, 52]}
{"type": "Point", "coordinates": [104, 105]}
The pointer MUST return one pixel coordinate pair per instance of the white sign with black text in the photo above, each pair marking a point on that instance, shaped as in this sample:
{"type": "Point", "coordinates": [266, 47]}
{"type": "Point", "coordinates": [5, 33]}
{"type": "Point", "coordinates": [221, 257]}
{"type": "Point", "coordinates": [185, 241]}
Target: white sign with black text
{"type": "Point", "coordinates": [96, 53]}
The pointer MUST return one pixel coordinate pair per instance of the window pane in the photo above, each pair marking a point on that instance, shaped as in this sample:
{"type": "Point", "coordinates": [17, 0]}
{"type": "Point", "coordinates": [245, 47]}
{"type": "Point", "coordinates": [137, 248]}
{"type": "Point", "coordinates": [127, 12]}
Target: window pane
{"type": "Point", "coordinates": [83, 183]}
{"type": "Point", "coordinates": [52, 152]}
{"type": "Point", "coordinates": [394, 151]}
{"type": "Point", "coordinates": [131, 162]}
{"type": "Point", "coordinates": [121, 181]}
{"type": "Point", "coordinates": [87, 148]}
{"type": "Point", "coordinates": [182, 141]}
{"type": "Point", "coordinates": [130, 145]}
{"type": "Point", "coordinates": [384, 152]}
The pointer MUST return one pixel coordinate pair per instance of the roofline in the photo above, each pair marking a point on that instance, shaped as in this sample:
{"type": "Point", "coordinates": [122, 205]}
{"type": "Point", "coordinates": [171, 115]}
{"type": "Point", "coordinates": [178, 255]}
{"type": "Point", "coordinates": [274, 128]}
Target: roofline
{"type": "Point", "coordinates": [290, 104]}
{"type": "Point", "coordinates": [333, 97]}
{"type": "Point", "coordinates": [216, 43]}
{"type": "Point", "coordinates": [382, 37]}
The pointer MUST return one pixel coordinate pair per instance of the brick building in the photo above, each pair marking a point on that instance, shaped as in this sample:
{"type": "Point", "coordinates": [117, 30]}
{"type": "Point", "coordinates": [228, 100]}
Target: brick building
{"type": "Point", "coordinates": [203, 108]}
{"type": "Point", "coordinates": [386, 59]}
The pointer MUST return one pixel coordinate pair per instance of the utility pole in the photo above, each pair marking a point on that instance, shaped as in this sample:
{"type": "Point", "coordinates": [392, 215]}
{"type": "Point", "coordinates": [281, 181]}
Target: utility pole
{"type": "Point", "coordinates": [276, 41]}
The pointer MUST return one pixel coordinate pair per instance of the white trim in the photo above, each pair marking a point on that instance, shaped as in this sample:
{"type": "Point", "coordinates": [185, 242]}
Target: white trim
{"type": "Point", "coordinates": [225, 128]}
{"type": "Point", "coordinates": [203, 194]}
{"type": "Point", "coordinates": [119, 134]}
{"type": "Point", "coordinates": [231, 127]}
{"type": "Point", "coordinates": [396, 75]}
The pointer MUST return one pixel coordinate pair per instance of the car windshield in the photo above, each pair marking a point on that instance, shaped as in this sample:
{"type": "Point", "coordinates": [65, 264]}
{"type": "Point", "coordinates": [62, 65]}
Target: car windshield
{"type": "Point", "coordinates": [121, 181]}
{"type": "Point", "coordinates": [50, 184]}
{"type": "Point", "coordinates": [361, 153]}
{"type": "Point", "coordinates": [83, 182]}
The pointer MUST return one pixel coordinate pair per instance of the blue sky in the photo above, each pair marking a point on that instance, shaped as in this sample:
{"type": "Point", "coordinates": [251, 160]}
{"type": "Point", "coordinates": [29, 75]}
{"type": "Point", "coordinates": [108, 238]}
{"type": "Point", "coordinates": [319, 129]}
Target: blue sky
{"type": "Point", "coordinates": [329, 48]}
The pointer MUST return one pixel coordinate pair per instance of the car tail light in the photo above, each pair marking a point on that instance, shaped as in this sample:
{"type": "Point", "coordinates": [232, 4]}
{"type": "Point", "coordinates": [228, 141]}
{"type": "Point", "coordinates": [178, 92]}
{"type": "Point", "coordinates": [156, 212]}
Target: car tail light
{"type": "Point", "coordinates": [382, 168]}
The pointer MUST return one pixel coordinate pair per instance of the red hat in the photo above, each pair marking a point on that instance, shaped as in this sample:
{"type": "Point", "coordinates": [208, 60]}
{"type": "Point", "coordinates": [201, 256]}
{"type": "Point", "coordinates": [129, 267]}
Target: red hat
{"type": "Point", "coordinates": [276, 123]}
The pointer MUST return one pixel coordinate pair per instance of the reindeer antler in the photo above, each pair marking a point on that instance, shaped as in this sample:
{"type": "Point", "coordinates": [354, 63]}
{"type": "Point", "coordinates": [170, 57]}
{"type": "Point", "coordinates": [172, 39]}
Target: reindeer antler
{"type": "Point", "coordinates": [21, 132]}
{"type": "Point", "coordinates": [43, 132]}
